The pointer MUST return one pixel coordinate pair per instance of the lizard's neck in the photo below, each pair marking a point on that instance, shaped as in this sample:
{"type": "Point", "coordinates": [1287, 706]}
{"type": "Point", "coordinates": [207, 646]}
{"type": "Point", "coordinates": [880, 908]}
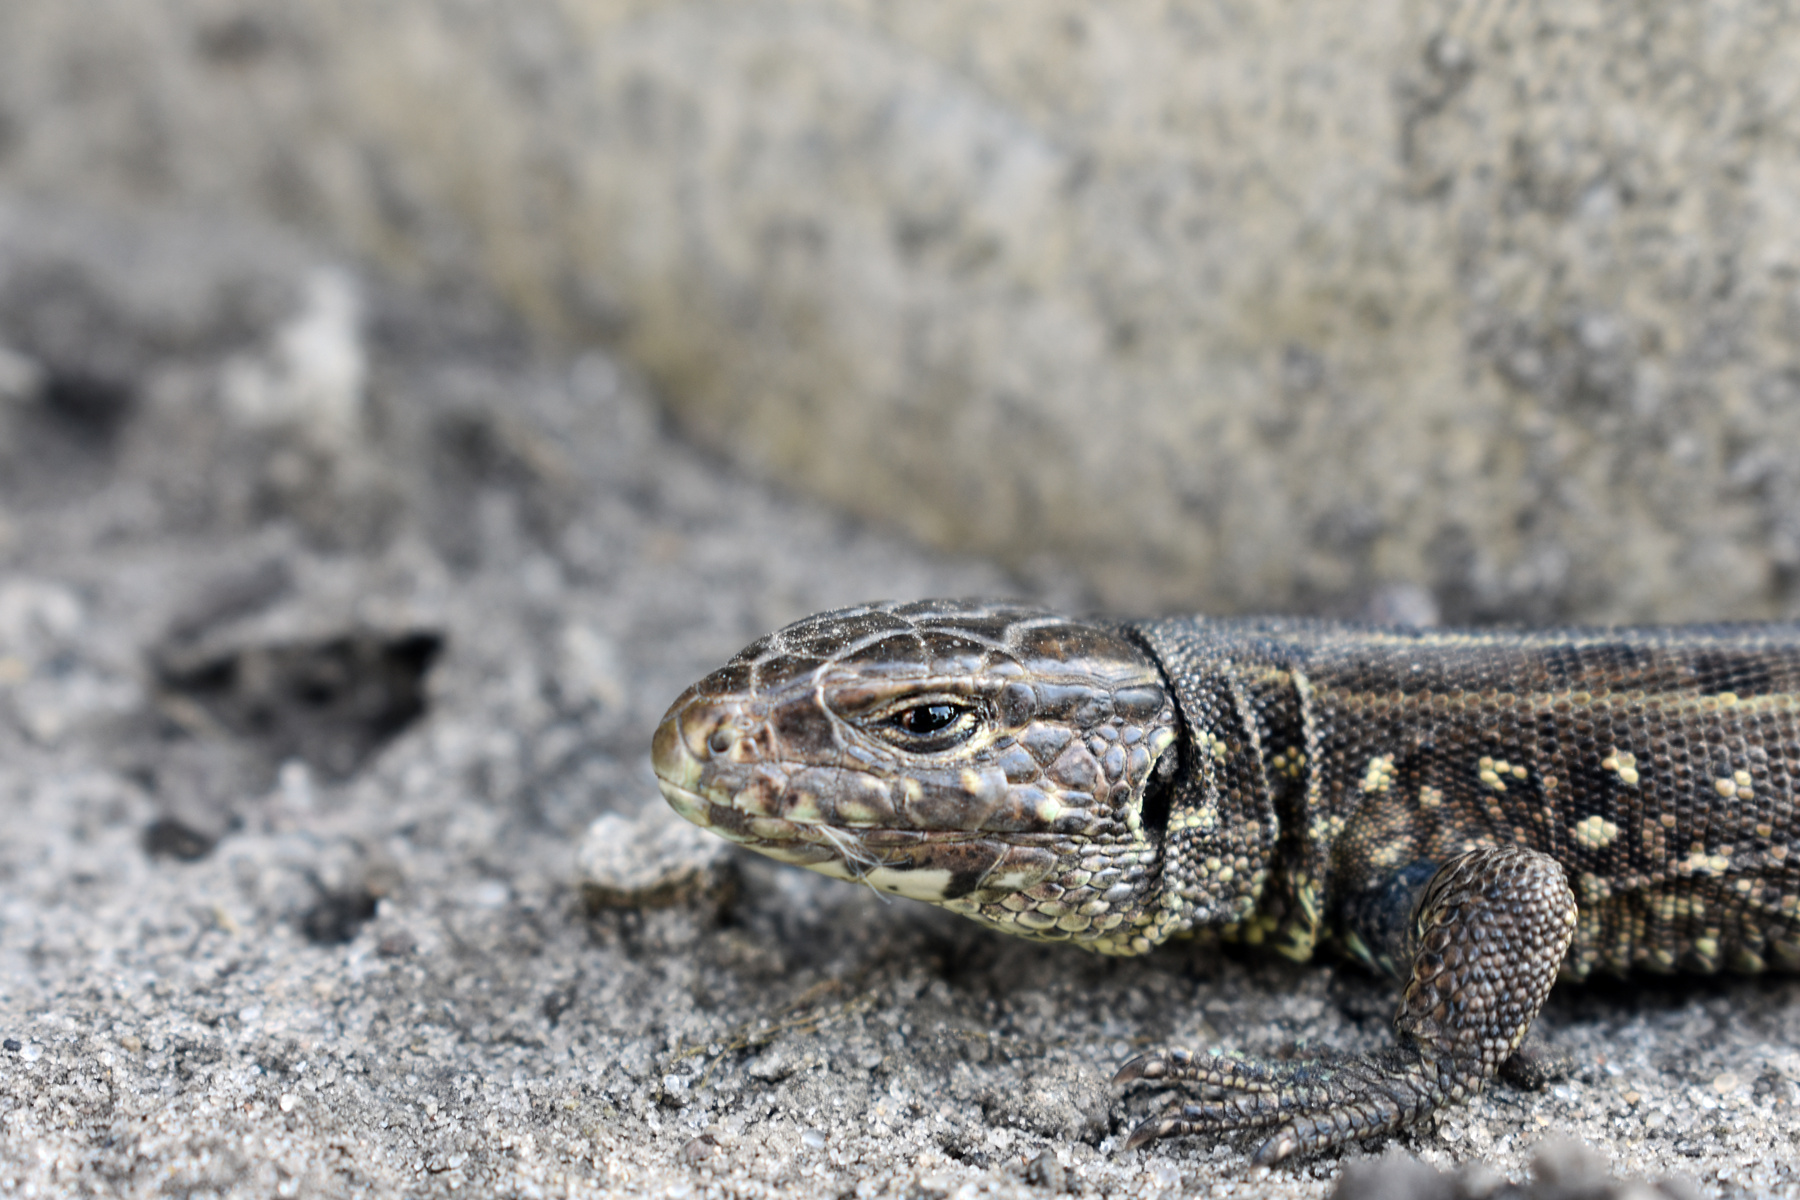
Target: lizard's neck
{"type": "Point", "coordinates": [1243, 720]}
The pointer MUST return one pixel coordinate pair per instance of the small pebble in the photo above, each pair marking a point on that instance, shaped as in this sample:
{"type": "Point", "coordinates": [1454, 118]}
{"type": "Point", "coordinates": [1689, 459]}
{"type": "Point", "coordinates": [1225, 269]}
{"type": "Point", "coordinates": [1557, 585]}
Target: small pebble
{"type": "Point", "coordinates": [700, 1149]}
{"type": "Point", "coordinates": [655, 860]}
{"type": "Point", "coordinates": [1396, 1175]}
{"type": "Point", "coordinates": [1045, 1172]}
{"type": "Point", "coordinates": [1567, 1163]}
{"type": "Point", "coordinates": [395, 945]}
{"type": "Point", "coordinates": [490, 893]}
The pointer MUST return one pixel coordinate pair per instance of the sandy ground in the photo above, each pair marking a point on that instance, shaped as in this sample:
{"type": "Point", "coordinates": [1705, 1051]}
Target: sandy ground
{"type": "Point", "coordinates": [333, 615]}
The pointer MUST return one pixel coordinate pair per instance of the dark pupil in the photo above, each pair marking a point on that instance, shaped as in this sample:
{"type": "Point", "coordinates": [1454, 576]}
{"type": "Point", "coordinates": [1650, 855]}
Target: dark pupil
{"type": "Point", "coordinates": [927, 718]}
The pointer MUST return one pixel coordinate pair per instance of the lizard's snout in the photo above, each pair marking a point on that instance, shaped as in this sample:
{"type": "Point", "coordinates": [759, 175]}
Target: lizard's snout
{"type": "Point", "coordinates": [683, 744]}
{"type": "Point", "coordinates": [702, 745]}
{"type": "Point", "coordinates": [697, 730]}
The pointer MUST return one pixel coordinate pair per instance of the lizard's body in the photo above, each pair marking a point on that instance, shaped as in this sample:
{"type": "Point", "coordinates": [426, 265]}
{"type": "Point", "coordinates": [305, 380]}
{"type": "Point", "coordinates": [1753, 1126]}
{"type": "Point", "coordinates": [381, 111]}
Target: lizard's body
{"type": "Point", "coordinates": [1470, 811]}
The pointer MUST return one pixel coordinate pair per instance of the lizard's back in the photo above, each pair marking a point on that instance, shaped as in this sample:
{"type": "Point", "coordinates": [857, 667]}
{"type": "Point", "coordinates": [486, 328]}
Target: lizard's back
{"type": "Point", "coordinates": [1659, 766]}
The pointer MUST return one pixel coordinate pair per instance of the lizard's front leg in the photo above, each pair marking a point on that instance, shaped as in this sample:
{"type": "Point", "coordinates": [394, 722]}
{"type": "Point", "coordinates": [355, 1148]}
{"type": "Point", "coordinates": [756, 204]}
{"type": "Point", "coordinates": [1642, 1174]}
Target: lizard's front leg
{"type": "Point", "coordinates": [1488, 932]}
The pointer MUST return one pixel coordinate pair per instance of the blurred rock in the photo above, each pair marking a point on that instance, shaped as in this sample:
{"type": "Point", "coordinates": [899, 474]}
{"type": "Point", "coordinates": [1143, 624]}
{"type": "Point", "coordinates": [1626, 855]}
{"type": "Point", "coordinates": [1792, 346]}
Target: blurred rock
{"type": "Point", "coordinates": [313, 372]}
{"type": "Point", "coordinates": [654, 860]}
{"type": "Point", "coordinates": [20, 377]}
{"type": "Point", "coordinates": [1226, 308]}
{"type": "Point", "coordinates": [1561, 1169]}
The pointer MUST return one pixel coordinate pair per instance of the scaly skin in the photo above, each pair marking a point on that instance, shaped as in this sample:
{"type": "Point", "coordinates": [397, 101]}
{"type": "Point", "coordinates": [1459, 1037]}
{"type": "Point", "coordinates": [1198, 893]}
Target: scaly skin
{"type": "Point", "coordinates": [1470, 811]}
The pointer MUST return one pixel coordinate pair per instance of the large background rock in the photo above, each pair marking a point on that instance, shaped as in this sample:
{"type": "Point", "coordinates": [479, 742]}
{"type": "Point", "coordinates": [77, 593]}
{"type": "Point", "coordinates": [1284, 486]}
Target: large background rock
{"type": "Point", "coordinates": [1225, 305]}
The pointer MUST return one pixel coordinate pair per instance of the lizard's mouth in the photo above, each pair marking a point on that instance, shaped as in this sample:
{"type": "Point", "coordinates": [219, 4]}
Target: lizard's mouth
{"type": "Point", "coordinates": [930, 865]}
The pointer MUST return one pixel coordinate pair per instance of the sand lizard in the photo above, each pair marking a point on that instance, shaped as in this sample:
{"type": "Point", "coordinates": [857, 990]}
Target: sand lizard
{"type": "Point", "coordinates": [1473, 812]}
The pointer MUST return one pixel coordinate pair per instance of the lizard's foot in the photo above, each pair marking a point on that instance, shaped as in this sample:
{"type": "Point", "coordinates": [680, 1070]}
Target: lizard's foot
{"type": "Point", "coordinates": [1313, 1103]}
{"type": "Point", "coordinates": [1485, 936]}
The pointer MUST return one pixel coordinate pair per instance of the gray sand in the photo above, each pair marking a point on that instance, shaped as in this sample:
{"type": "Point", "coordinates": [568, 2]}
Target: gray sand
{"type": "Point", "coordinates": [332, 615]}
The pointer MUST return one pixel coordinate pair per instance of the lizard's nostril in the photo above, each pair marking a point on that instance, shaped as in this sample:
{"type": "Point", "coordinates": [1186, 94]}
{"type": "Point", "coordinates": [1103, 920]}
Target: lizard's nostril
{"type": "Point", "coordinates": [693, 733]}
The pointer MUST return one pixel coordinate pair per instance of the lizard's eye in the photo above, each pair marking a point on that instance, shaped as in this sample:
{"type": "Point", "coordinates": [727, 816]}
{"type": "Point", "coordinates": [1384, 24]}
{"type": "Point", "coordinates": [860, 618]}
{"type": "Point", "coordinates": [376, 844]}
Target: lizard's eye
{"type": "Point", "coordinates": [925, 719]}
{"type": "Point", "coordinates": [929, 726]}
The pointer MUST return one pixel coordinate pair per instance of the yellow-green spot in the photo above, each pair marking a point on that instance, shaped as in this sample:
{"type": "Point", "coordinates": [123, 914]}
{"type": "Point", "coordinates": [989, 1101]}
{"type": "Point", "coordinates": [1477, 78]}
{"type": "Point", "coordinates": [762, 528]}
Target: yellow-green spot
{"type": "Point", "coordinates": [1593, 888]}
{"type": "Point", "coordinates": [1622, 764]}
{"type": "Point", "coordinates": [850, 811]}
{"type": "Point", "coordinates": [1494, 771]}
{"type": "Point", "coordinates": [1595, 832]}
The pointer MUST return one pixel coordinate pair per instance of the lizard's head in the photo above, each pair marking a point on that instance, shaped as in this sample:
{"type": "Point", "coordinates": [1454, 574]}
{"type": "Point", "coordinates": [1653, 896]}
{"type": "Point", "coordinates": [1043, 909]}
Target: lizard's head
{"type": "Point", "coordinates": [997, 759]}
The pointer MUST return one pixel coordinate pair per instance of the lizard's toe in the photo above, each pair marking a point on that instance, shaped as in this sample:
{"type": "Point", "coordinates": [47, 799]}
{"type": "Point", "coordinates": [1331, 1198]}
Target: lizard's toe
{"type": "Point", "coordinates": [1158, 1064]}
{"type": "Point", "coordinates": [1226, 1114]}
{"type": "Point", "coordinates": [1152, 1128]}
{"type": "Point", "coordinates": [1285, 1142]}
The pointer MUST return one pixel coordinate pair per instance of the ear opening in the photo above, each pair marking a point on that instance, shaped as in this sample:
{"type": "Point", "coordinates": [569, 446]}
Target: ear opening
{"type": "Point", "coordinates": [1159, 791]}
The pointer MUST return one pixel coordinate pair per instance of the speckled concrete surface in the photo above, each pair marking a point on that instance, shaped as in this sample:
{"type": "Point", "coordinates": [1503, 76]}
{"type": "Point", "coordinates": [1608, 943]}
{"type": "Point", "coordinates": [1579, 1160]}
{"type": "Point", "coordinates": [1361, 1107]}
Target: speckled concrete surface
{"type": "Point", "coordinates": [332, 617]}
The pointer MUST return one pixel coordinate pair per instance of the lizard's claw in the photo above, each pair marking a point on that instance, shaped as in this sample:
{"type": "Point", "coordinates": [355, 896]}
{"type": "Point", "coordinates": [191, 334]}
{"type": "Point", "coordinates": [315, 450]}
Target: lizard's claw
{"type": "Point", "coordinates": [1148, 1130]}
{"type": "Point", "coordinates": [1158, 1064]}
{"type": "Point", "coordinates": [1180, 1119]}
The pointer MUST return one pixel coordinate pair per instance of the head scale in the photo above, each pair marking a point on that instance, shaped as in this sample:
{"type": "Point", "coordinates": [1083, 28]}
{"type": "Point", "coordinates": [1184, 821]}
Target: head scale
{"type": "Point", "coordinates": [990, 757]}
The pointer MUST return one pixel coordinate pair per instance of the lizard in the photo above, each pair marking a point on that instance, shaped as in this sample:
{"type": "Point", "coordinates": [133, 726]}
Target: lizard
{"type": "Point", "coordinates": [1475, 813]}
